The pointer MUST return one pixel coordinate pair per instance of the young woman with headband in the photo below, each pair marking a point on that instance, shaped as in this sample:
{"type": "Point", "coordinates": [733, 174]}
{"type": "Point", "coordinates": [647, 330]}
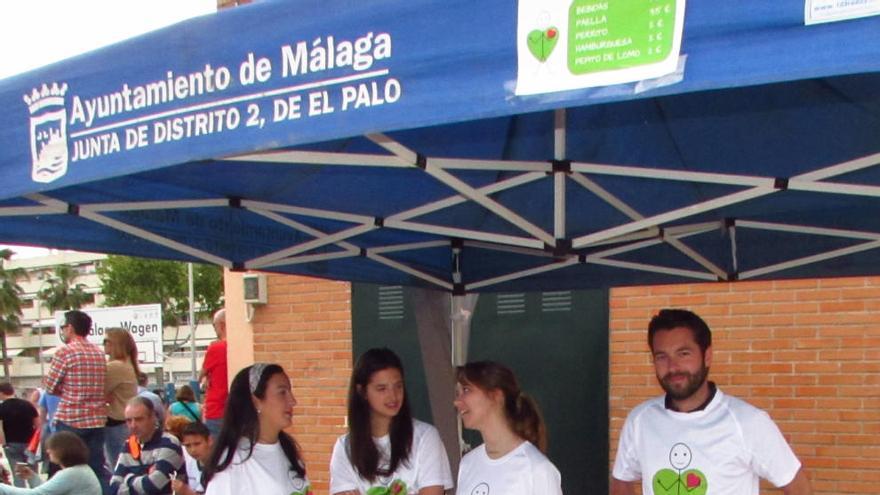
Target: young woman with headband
{"type": "Point", "coordinates": [253, 453]}
{"type": "Point", "coordinates": [386, 451]}
{"type": "Point", "coordinates": [511, 460]}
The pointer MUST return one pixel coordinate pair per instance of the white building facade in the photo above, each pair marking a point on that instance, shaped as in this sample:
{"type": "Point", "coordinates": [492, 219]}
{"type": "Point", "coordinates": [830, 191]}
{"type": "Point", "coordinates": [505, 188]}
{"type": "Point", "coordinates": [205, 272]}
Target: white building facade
{"type": "Point", "coordinates": [30, 350]}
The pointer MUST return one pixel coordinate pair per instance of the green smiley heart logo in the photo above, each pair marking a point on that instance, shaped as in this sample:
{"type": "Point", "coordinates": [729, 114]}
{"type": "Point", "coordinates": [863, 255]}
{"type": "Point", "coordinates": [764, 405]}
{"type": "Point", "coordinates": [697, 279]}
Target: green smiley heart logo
{"type": "Point", "coordinates": [669, 482]}
{"type": "Point", "coordinates": [541, 43]}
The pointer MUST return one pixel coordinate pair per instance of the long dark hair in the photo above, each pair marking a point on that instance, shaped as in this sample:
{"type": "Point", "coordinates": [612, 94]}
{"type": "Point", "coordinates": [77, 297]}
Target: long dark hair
{"type": "Point", "coordinates": [362, 450]}
{"type": "Point", "coordinates": [240, 420]}
{"type": "Point", "coordinates": [521, 411]}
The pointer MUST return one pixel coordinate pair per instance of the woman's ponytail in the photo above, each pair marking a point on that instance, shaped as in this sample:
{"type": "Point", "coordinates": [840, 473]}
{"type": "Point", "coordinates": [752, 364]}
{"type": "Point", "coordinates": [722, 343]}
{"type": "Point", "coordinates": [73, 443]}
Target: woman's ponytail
{"type": "Point", "coordinates": [523, 414]}
{"type": "Point", "coordinates": [527, 421]}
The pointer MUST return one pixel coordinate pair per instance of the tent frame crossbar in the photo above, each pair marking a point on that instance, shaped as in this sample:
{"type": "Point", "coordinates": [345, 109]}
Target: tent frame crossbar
{"type": "Point", "coordinates": [640, 233]}
{"type": "Point", "coordinates": [85, 212]}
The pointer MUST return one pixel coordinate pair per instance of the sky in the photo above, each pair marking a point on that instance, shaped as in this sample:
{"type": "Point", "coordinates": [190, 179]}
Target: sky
{"type": "Point", "coordinates": [35, 33]}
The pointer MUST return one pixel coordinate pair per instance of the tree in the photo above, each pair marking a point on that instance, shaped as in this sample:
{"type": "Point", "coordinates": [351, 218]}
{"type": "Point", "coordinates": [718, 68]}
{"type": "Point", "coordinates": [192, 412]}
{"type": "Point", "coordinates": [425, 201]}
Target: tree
{"type": "Point", "coordinates": [10, 302]}
{"type": "Point", "coordinates": [127, 280]}
{"type": "Point", "coordinates": [62, 292]}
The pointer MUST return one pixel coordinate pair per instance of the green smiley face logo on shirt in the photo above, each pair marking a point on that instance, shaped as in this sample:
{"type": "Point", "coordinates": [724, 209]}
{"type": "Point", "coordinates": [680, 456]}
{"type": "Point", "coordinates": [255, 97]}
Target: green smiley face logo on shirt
{"type": "Point", "coordinates": [690, 482]}
{"type": "Point", "coordinates": [678, 481]}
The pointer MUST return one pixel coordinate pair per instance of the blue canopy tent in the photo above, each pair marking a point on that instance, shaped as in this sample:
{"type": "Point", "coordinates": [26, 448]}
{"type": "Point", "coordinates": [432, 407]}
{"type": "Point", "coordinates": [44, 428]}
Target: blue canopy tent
{"type": "Point", "coordinates": [385, 142]}
{"type": "Point", "coordinates": [252, 139]}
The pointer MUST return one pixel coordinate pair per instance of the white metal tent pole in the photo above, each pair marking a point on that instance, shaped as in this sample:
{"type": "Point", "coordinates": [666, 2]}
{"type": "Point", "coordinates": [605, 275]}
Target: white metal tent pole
{"type": "Point", "coordinates": [462, 313]}
{"type": "Point", "coordinates": [28, 211]}
{"type": "Point", "coordinates": [621, 206]}
{"type": "Point", "coordinates": [85, 212]}
{"type": "Point", "coordinates": [495, 207]}
{"type": "Point", "coordinates": [674, 175]}
{"type": "Point", "coordinates": [809, 259]}
{"type": "Point", "coordinates": [192, 317]}
{"type": "Point", "coordinates": [559, 175]}
{"type": "Point", "coordinates": [461, 187]}
{"type": "Point", "coordinates": [320, 158]}
{"type": "Point", "coordinates": [411, 271]}
{"type": "Point", "coordinates": [653, 221]}
{"type": "Point", "coordinates": [839, 169]}
{"type": "Point", "coordinates": [458, 198]}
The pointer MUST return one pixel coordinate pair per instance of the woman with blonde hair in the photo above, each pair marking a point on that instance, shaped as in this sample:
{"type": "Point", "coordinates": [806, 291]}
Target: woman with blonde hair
{"type": "Point", "coordinates": [512, 458]}
{"type": "Point", "coordinates": [119, 387]}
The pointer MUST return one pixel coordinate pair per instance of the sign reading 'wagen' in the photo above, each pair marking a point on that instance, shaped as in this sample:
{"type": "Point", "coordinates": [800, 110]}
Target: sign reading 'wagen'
{"type": "Point", "coordinates": [144, 322]}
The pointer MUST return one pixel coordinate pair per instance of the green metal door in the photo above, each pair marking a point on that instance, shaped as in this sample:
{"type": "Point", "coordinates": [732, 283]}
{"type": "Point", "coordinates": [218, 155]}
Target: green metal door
{"type": "Point", "coordinates": [556, 343]}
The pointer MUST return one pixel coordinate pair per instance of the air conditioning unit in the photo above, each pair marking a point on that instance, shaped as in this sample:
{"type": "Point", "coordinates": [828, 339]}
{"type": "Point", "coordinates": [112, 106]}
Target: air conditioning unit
{"type": "Point", "coordinates": [255, 288]}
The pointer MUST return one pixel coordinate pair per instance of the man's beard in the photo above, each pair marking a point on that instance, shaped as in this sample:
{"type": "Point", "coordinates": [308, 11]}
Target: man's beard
{"type": "Point", "coordinates": [694, 382]}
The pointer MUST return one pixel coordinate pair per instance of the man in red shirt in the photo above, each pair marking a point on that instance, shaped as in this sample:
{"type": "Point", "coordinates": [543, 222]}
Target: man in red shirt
{"type": "Point", "coordinates": [214, 376]}
{"type": "Point", "coordinates": [77, 375]}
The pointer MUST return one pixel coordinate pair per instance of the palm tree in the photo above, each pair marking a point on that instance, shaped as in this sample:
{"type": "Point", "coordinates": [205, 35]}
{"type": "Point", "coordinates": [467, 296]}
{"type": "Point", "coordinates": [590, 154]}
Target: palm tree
{"type": "Point", "coordinates": [10, 302]}
{"type": "Point", "coordinates": [62, 292]}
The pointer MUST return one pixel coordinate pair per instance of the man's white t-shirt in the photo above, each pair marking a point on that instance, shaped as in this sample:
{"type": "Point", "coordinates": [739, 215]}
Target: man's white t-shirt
{"type": "Point", "coordinates": [428, 465]}
{"type": "Point", "coordinates": [266, 472]}
{"type": "Point", "coordinates": [722, 449]}
{"type": "Point", "coordinates": [522, 471]}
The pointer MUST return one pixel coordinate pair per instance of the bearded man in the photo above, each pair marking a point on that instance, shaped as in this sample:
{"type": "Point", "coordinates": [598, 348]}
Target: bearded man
{"type": "Point", "coordinates": [695, 439]}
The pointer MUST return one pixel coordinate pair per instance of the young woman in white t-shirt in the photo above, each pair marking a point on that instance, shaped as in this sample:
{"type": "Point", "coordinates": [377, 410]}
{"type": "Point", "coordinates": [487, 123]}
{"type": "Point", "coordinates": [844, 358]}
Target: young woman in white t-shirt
{"type": "Point", "coordinates": [386, 452]}
{"type": "Point", "coordinates": [252, 453]}
{"type": "Point", "coordinates": [511, 460]}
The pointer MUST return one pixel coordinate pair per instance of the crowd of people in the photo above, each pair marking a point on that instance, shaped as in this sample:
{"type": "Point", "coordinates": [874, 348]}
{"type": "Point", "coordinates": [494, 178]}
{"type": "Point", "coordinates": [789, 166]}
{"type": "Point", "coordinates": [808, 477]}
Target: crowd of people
{"type": "Point", "coordinates": [692, 436]}
{"type": "Point", "coordinates": [119, 424]}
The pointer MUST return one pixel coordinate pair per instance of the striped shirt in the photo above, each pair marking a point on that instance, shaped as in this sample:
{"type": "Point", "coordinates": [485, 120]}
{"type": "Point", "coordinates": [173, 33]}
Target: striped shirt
{"type": "Point", "coordinates": [151, 472]}
{"type": "Point", "coordinates": [77, 375]}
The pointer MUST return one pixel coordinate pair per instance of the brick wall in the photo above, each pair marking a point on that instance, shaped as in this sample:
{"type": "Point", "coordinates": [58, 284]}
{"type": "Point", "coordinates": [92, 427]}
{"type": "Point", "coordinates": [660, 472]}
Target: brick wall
{"type": "Point", "coordinates": [306, 327]}
{"type": "Point", "coordinates": [807, 351]}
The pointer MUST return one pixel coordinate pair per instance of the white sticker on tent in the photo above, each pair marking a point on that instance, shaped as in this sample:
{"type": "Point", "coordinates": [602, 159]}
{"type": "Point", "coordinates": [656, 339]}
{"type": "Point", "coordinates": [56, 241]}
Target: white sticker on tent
{"type": "Point", "coordinates": [571, 44]}
{"type": "Point", "coordinates": [818, 11]}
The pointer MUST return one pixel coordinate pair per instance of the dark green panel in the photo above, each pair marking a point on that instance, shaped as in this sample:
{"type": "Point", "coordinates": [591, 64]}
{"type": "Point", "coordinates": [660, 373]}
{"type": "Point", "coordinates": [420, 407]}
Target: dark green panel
{"type": "Point", "coordinates": [561, 359]}
{"type": "Point", "coordinates": [379, 321]}
{"type": "Point", "coordinates": [556, 342]}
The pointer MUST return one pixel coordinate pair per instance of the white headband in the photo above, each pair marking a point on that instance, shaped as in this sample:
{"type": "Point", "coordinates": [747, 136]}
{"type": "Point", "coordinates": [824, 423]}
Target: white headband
{"type": "Point", "coordinates": [255, 374]}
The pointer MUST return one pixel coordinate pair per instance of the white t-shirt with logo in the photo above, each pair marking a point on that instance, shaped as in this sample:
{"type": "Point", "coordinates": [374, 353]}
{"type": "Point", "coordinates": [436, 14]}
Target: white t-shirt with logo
{"type": "Point", "coordinates": [266, 472]}
{"type": "Point", "coordinates": [522, 471]}
{"type": "Point", "coordinates": [428, 465]}
{"type": "Point", "coordinates": [721, 450]}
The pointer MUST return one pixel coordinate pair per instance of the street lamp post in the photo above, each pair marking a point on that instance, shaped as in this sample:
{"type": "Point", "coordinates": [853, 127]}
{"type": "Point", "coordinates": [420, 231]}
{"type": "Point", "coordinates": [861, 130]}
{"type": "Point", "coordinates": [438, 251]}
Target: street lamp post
{"type": "Point", "coordinates": [192, 318]}
{"type": "Point", "coordinates": [40, 325]}
{"type": "Point", "coordinates": [40, 335]}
